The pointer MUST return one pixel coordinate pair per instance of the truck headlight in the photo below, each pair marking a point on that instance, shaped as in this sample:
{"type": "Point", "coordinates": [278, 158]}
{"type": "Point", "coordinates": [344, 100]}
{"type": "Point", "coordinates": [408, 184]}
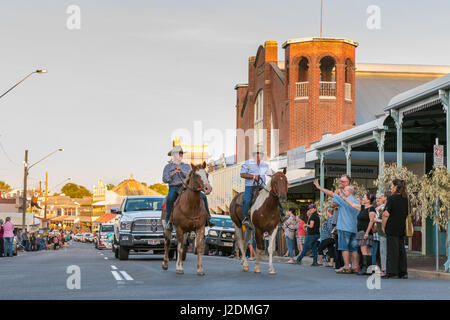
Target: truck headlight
{"type": "Point", "coordinates": [125, 225]}
{"type": "Point", "coordinates": [212, 233]}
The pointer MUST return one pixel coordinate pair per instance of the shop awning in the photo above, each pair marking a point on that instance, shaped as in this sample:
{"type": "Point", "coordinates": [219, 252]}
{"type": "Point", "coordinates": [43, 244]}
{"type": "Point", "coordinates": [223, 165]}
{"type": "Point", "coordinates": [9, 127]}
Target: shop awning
{"type": "Point", "coordinates": [107, 217]}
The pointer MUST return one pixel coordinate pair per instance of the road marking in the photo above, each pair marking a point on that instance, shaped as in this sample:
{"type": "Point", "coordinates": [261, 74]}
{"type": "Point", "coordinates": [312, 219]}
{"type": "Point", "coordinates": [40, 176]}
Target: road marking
{"type": "Point", "coordinates": [114, 267]}
{"type": "Point", "coordinates": [106, 258]}
{"type": "Point", "coordinates": [126, 275]}
{"type": "Point", "coordinates": [116, 275]}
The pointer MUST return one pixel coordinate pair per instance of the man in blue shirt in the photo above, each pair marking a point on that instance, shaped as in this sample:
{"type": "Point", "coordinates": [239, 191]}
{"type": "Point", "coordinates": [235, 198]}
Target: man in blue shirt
{"type": "Point", "coordinates": [254, 171]}
{"type": "Point", "coordinates": [174, 174]}
{"type": "Point", "coordinates": [346, 223]}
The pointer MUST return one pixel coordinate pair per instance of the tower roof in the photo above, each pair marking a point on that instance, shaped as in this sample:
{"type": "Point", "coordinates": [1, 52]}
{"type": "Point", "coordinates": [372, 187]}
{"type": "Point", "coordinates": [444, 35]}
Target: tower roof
{"type": "Point", "coordinates": [312, 39]}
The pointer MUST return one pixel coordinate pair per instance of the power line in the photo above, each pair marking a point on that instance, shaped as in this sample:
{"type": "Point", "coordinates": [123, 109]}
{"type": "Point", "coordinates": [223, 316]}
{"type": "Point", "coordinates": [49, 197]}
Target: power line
{"type": "Point", "coordinates": [7, 156]}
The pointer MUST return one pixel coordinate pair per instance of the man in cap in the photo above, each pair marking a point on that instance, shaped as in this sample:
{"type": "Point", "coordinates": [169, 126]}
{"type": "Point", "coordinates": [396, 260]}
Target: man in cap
{"type": "Point", "coordinates": [174, 174]}
{"type": "Point", "coordinates": [254, 170]}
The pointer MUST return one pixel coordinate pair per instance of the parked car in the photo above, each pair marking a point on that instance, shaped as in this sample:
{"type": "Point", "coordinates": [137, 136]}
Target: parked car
{"type": "Point", "coordinates": [105, 236]}
{"type": "Point", "coordinates": [77, 237]}
{"type": "Point", "coordinates": [221, 236]}
{"type": "Point", "coordinates": [139, 228]}
{"type": "Point", "coordinates": [87, 237]}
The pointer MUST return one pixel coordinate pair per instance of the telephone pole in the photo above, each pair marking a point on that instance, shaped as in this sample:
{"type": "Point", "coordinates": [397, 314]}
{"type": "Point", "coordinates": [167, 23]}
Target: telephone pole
{"type": "Point", "coordinates": [24, 203]}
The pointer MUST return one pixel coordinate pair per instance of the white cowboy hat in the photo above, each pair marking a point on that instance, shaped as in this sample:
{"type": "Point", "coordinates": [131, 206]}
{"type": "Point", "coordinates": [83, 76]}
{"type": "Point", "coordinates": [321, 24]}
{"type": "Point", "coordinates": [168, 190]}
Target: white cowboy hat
{"type": "Point", "coordinates": [176, 149]}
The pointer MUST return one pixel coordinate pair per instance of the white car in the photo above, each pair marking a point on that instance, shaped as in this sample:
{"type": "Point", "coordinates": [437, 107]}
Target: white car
{"type": "Point", "coordinates": [77, 237]}
{"type": "Point", "coordinates": [87, 237]}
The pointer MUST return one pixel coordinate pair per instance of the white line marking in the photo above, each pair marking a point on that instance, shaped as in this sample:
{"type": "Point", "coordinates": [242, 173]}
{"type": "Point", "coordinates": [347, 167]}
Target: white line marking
{"type": "Point", "coordinates": [126, 275]}
{"type": "Point", "coordinates": [106, 258]}
{"type": "Point", "coordinates": [114, 267]}
{"type": "Point", "coordinates": [116, 275]}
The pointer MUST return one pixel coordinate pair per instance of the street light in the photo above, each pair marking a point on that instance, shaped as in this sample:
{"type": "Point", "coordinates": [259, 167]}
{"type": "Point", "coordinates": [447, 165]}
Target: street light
{"type": "Point", "coordinates": [26, 169]}
{"type": "Point", "coordinates": [39, 71]}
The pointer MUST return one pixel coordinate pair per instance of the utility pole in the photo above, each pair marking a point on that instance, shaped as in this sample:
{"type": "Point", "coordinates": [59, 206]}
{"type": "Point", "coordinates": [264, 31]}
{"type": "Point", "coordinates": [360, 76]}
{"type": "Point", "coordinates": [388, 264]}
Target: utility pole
{"type": "Point", "coordinates": [24, 203]}
{"type": "Point", "coordinates": [46, 194]}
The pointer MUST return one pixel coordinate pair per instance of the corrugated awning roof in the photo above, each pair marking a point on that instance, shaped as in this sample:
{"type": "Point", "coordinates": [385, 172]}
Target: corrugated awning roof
{"type": "Point", "coordinates": [107, 217]}
{"type": "Point", "coordinates": [423, 91]}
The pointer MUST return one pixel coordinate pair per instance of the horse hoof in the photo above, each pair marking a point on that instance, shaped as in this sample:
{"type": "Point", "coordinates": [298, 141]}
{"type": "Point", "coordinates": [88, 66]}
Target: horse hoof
{"type": "Point", "coordinates": [200, 273]}
{"type": "Point", "coordinates": [272, 272]}
{"type": "Point", "coordinates": [165, 266]}
{"type": "Point", "coordinates": [245, 268]}
{"type": "Point", "coordinates": [180, 272]}
{"type": "Point", "coordinates": [257, 270]}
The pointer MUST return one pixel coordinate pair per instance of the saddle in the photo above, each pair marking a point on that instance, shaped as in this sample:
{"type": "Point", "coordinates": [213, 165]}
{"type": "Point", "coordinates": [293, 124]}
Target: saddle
{"type": "Point", "coordinates": [255, 193]}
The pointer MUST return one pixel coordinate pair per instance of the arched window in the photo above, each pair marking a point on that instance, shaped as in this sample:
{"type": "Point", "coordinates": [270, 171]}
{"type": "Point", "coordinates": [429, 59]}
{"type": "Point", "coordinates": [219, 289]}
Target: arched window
{"type": "Point", "coordinates": [259, 117]}
{"type": "Point", "coordinates": [303, 78]}
{"type": "Point", "coordinates": [348, 79]}
{"type": "Point", "coordinates": [327, 85]}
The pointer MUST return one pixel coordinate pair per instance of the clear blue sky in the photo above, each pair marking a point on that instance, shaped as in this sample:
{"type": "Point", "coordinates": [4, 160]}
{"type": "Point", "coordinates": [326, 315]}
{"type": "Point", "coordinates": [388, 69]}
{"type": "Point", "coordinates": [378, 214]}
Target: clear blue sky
{"type": "Point", "coordinates": [137, 70]}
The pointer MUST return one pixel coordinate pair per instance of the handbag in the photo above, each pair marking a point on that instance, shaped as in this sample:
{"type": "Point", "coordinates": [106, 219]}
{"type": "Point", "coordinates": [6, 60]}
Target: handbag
{"type": "Point", "coordinates": [409, 230]}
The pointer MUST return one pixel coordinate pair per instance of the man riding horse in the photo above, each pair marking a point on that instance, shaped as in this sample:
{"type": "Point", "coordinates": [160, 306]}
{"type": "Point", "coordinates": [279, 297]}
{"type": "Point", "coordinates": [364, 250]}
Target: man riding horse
{"type": "Point", "coordinates": [254, 172]}
{"type": "Point", "coordinates": [174, 175]}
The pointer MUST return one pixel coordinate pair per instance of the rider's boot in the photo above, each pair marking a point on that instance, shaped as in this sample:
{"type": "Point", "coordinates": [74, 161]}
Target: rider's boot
{"type": "Point", "coordinates": [246, 222]}
{"type": "Point", "coordinates": [169, 225]}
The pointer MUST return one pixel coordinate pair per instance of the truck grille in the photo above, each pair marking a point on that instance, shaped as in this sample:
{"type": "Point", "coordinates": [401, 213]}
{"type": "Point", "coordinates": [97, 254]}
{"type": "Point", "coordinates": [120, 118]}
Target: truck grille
{"type": "Point", "coordinates": [147, 225]}
{"type": "Point", "coordinates": [227, 235]}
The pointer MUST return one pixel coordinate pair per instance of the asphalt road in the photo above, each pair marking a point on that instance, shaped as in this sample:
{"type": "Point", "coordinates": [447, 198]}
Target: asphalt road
{"type": "Point", "coordinates": [43, 275]}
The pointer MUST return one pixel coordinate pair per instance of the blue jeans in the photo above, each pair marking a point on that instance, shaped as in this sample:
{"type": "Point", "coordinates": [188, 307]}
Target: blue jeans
{"type": "Point", "coordinates": [373, 251]}
{"type": "Point", "coordinates": [8, 246]}
{"type": "Point", "coordinates": [172, 196]}
{"type": "Point", "coordinates": [248, 195]}
{"type": "Point", "coordinates": [291, 243]}
{"type": "Point", "coordinates": [310, 242]}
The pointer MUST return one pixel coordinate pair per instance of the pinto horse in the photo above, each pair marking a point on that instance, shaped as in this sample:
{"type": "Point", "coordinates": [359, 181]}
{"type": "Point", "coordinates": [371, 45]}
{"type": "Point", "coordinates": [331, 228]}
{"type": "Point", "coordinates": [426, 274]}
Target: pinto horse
{"type": "Point", "coordinates": [264, 216]}
{"type": "Point", "coordinates": [189, 214]}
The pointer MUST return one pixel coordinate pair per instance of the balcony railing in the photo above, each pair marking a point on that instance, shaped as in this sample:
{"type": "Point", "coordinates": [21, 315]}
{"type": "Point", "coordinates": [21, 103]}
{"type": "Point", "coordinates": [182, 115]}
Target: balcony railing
{"type": "Point", "coordinates": [302, 89]}
{"type": "Point", "coordinates": [348, 91]}
{"type": "Point", "coordinates": [327, 89]}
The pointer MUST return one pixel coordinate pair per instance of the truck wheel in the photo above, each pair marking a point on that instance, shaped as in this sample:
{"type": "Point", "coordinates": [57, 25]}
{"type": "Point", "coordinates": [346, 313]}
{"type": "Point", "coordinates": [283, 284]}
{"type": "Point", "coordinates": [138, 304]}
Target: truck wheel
{"type": "Point", "coordinates": [172, 254]}
{"type": "Point", "coordinates": [206, 249]}
{"type": "Point", "coordinates": [123, 253]}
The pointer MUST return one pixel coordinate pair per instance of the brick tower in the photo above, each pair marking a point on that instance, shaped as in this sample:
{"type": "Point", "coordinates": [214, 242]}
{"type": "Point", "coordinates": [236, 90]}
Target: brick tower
{"type": "Point", "coordinates": [320, 90]}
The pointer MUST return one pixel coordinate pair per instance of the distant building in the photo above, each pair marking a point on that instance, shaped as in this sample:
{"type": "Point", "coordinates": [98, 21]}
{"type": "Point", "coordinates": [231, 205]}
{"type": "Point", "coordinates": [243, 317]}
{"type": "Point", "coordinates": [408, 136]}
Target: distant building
{"type": "Point", "coordinates": [193, 153]}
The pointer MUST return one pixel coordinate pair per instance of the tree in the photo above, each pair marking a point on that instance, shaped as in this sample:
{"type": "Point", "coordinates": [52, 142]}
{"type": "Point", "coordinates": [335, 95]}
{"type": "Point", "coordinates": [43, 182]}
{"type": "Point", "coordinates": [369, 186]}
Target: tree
{"type": "Point", "coordinates": [4, 186]}
{"type": "Point", "coordinates": [160, 188]}
{"type": "Point", "coordinates": [110, 186]}
{"type": "Point", "coordinates": [75, 191]}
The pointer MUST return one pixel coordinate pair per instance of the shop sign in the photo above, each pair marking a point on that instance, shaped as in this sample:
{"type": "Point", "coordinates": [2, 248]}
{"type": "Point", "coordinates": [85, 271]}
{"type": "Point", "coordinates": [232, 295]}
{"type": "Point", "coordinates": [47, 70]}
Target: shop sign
{"type": "Point", "coordinates": [358, 172]}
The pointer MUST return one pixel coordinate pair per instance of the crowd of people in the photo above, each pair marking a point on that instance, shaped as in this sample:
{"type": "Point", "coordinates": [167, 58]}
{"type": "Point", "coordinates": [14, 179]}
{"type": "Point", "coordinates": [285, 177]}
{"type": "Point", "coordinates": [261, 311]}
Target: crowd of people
{"type": "Point", "coordinates": [29, 241]}
{"type": "Point", "coordinates": [359, 235]}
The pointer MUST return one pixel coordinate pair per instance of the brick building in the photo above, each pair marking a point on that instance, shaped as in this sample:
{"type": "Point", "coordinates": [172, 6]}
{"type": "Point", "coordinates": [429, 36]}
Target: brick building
{"type": "Point", "coordinates": [292, 103]}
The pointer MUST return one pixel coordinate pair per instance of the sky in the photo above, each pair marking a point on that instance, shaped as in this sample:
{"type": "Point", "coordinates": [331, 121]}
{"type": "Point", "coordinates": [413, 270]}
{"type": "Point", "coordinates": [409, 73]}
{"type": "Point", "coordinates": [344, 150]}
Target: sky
{"type": "Point", "coordinates": [137, 71]}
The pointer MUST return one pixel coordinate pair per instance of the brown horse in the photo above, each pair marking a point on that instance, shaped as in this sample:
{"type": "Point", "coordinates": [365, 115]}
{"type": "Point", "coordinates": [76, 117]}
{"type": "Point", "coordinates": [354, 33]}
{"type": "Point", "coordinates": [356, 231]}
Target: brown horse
{"type": "Point", "coordinates": [264, 216]}
{"type": "Point", "coordinates": [189, 214]}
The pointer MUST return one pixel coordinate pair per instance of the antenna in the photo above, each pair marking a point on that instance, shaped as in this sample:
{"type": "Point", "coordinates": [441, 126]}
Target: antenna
{"type": "Point", "coordinates": [321, 14]}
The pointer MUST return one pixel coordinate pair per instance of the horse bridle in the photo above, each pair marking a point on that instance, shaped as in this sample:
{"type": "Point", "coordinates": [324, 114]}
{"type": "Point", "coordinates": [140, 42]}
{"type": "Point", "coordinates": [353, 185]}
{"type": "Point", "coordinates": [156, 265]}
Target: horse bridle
{"type": "Point", "coordinates": [263, 186]}
{"type": "Point", "coordinates": [188, 187]}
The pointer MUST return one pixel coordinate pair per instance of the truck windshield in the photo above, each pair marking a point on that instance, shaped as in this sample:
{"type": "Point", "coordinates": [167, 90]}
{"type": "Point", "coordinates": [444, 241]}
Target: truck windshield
{"type": "Point", "coordinates": [152, 204]}
{"type": "Point", "coordinates": [222, 222]}
{"type": "Point", "coordinates": [107, 228]}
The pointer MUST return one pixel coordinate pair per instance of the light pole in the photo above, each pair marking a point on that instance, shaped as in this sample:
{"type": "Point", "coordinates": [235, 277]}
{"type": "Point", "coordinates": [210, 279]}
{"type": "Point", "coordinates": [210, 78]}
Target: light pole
{"type": "Point", "coordinates": [39, 71]}
{"type": "Point", "coordinates": [26, 169]}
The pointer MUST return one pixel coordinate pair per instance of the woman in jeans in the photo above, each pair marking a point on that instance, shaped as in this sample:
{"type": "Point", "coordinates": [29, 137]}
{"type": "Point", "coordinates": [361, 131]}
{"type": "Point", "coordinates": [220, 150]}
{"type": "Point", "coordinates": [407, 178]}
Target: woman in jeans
{"type": "Point", "coordinates": [364, 237]}
{"type": "Point", "coordinates": [394, 225]}
{"type": "Point", "coordinates": [327, 240]}
{"type": "Point", "coordinates": [289, 232]}
{"type": "Point", "coordinates": [301, 234]}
